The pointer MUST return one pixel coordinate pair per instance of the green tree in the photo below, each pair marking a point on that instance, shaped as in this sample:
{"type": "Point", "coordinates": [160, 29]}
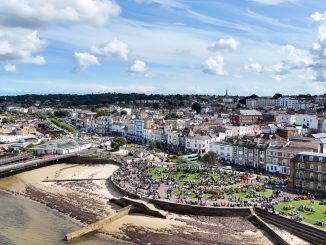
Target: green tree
{"type": "Point", "coordinates": [196, 107]}
{"type": "Point", "coordinates": [210, 158]}
{"type": "Point", "coordinates": [156, 106]}
{"type": "Point", "coordinates": [7, 120]}
{"type": "Point", "coordinates": [181, 160]}
{"type": "Point", "coordinates": [277, 96]}
{"type": "Point", "coordinates": [63, 125]}
{"type": "Point", "coordinates": [104, 112]}
{"type": "Point", "coordinates": [123, 112]}
{"type": "Point", "coordinates": [62, 113]}
{"type": "Point", "coordinates": [118, 142]}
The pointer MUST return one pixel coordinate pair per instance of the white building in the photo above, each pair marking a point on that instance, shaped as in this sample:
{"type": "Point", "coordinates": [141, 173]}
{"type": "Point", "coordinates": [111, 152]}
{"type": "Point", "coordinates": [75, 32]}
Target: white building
{"type": "Point", "coordinates": [266, 103]}
{"type": "Point", "coordinates": [61, 147]}
{"type": "Point", "coordinates": [199, 144]}
{"type": "Point", "coordinates": [222, 149]}
{"type": "Point", "coordinates": [101, 125]}
{"type": "Point", "coordinates": [118, 128]}
{"type": "Point", "coordinates": [173, 138]}
{"type": "Point", "coordinates": [287, 102]}
{"type": "Point", "coordinates": [310, 121]}
{"type": "Point", "coordinates": [240, 131]}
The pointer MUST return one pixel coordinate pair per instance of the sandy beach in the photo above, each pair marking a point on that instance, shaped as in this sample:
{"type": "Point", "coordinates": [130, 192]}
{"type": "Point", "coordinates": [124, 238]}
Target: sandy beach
{"type": "Point", "coordinates": [88, 201]}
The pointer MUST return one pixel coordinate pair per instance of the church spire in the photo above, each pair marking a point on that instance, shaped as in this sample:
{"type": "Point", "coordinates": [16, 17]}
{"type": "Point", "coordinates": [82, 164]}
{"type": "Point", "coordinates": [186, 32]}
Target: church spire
{"type": "Point", "coordinates": [226, 92]}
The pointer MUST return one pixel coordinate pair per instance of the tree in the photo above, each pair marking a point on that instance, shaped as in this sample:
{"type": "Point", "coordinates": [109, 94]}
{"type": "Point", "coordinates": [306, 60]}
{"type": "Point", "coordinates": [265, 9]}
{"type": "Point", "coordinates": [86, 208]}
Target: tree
{"type": "Point", "coordinates": [123, 112]}
{"type": "Point", "coordinates": [8, 120]}
{"type": "Point", "coordinates": [181, 160]}
{"type": "Point", "coordinates": [104, 112]}
{"type": "Point", "coordinates": [196, 107]}
{"type": "Point", "coordinates": [63, 125]}
{"type": "Point", "coordinates": [253, 96]}
{"type": "Point", "coordinates": [277, 96]}
{"type": "Point", "coordinates": [118, 142]}
{"type": "Point", "coordinates": [156, 106]}
{"type": "Point", "coordinates": [210, 158]}
{"type": "Point", "coordinates": [62, 113]}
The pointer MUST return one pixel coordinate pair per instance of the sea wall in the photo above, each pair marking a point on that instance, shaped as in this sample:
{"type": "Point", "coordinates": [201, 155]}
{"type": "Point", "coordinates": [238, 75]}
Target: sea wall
{"type": "Point", "coordinates": [305, 231]}
{"type": "Point", "coordinates": [90, 160]}
{"type": "Point", "coordinates": [201, 210]}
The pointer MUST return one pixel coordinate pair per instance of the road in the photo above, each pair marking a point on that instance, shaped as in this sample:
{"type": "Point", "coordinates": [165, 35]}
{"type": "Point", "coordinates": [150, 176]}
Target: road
{"type": "Point", "coordinates": [34, 162]}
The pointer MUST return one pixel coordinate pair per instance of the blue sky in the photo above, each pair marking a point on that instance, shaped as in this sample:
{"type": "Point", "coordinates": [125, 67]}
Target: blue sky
{"type": "Point", "coordinates": [163, 46]}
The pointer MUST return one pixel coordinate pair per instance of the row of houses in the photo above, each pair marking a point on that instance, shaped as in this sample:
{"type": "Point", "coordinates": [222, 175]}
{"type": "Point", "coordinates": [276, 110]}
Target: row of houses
{"type": "Point", "coordinates": [303, 162]}
{"type": "Point", "coordinates": [283, 102]}
{"type": "Point", "coordinates": [272, 155]}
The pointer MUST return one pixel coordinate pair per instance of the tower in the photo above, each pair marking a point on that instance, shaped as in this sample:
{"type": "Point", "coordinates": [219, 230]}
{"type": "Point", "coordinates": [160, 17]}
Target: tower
{"type": "Point", "coordinates": [226, 92]}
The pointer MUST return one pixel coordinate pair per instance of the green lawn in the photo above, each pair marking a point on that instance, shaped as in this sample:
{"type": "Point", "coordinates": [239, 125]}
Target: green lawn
{"type": "Point", "coordinates": [156, 172]}
{"type": "Point", "coordinates": [242, 195]}
{"type": "Point", "coordinates": [309, 217]}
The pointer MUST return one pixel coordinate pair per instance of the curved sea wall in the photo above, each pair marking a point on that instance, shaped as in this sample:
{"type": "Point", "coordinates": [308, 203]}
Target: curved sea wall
{"type": "Point", "coordinates": [256, 215]}
{"type": "Point", "coordinates": [185, 208]}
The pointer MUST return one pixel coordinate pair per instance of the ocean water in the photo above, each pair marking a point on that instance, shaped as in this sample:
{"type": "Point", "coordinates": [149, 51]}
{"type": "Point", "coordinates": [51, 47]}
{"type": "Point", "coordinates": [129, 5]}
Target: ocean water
{"type": "Point", "coordinates": [26, 222]}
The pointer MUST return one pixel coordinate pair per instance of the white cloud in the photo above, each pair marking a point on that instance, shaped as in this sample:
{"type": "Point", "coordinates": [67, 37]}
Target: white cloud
{"type": "Point", "coordinates": [164, 3]}
{"type": "Point", "coordinates": [19, 45]}
{"type": "Point", "coordinates": [293, 60]}
{"type": "Point", "coordinates": [274, 2]}
{"type": "Point", "coordinates": [224, 44]}
{"type": "Point", "coordinates": [279, 68]}
{"type": "Point", "coordinates": [254, 67]}
{"type": "Point", "coordinates": [295, 57]}
{"type": "Point", "coordinates": [10, 68]}
{"type": "Point", "coordinates": [84, 60]}
{"type": "Point", "coordinates": [32, 13]}
{"type": "Point", "coordinates": [214, 66]}
{"type": "Point", "coordinates": [318, 17]}
{"type": "Point", "coordinates": [277, 77]}
{"type": "Point", "coordinates": [138, 66]}
{"type": "Point", "coordinates": [318, 49]}
{"type": "Point", "coordinates": [114, 48]}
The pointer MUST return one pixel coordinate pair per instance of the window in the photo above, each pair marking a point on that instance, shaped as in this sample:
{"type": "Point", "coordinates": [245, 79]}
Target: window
{"type": "Point", "coordinates": [311, 166]}
{"type": "Point", "coordinates": [319, 168]}
{"type": "Point", "coordinates": [311, 158]}
{"type": "Point", "coordinates": [320, 159]}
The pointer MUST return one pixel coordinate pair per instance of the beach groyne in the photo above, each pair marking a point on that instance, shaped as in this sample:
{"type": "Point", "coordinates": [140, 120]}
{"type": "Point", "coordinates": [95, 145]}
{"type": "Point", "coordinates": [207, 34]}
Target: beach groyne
{"type": "Point", "coordinates": [99, 224]}
{"type": "Point", "coordinates": [139, 206]}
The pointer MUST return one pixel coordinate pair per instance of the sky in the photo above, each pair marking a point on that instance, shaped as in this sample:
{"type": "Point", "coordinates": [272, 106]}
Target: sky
{"type": "Point", "coordinates": [163, 46]}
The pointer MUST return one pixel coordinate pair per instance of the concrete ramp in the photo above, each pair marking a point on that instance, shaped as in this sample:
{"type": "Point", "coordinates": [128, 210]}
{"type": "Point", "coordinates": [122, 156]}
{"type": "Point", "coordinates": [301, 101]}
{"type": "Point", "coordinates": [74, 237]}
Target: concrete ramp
{"type": "Point", "coordinates": [99, 224]}
{"type": "Point", "coordinates": [139, 206]}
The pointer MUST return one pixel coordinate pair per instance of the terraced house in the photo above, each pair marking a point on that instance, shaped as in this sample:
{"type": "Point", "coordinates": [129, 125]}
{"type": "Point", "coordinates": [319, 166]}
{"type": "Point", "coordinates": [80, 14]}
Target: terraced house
{"type": "Point", "coordinates": [308, 172]}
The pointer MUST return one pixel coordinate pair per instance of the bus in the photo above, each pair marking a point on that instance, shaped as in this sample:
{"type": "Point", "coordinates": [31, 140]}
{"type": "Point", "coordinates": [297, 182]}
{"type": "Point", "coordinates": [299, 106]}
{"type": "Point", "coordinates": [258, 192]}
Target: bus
{"type": "Point", "coordinates": [191, 157]}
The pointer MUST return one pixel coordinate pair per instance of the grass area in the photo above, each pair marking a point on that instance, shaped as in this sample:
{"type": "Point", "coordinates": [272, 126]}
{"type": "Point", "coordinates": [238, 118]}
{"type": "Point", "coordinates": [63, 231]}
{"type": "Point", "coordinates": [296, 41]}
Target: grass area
{"type": "Point", "coordinates": [156, 172]}
{"type": "Point", "coordinates": [242, 195]}
{"type": "Point", "coordinates": [309, 217]}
